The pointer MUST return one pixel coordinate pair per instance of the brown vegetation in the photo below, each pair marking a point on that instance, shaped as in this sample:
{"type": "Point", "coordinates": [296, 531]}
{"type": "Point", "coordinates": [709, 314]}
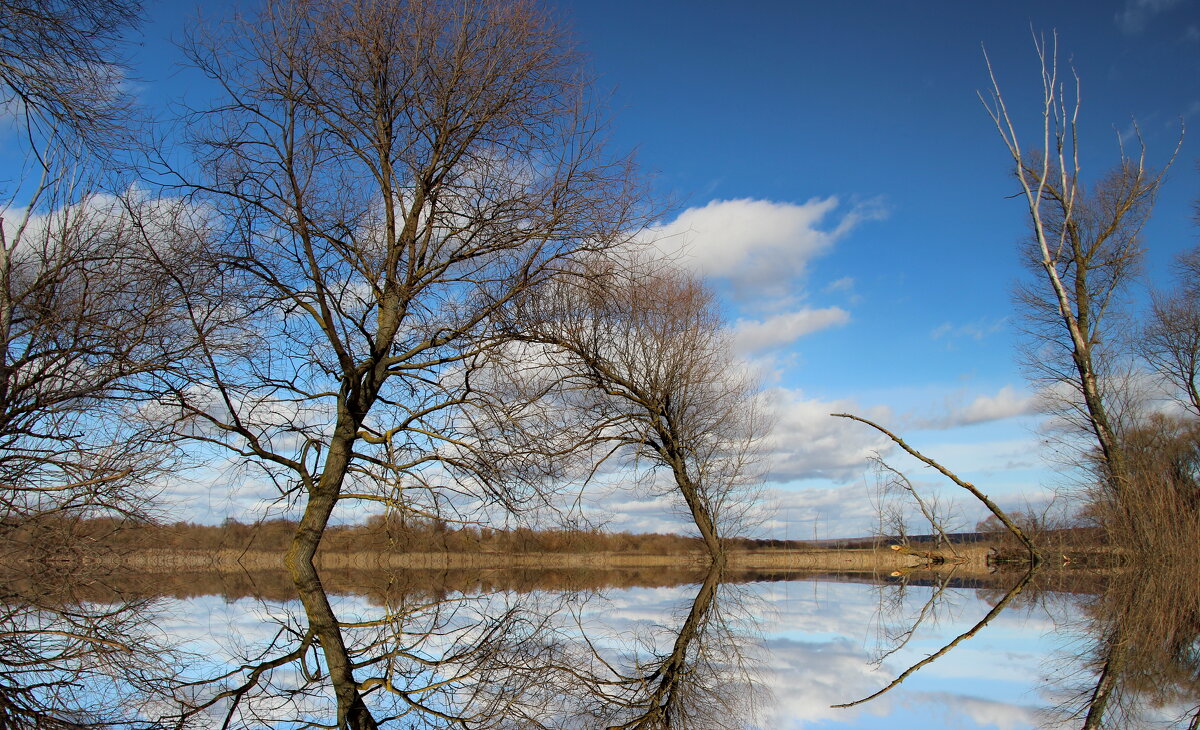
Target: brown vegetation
{"type": "Point", "coordinates": [420, 544]}
{"type": "Point", "coordinates": [1157, 514]}
{"type": "Point", "coordinates": [54, 535]}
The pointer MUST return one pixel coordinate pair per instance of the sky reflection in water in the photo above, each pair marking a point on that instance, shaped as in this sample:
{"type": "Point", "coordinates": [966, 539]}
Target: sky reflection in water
{"type": "Point", "coordinates": [758, 654]}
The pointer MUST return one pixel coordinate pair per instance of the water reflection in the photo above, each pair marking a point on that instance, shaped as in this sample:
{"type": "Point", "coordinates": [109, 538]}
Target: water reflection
{"type": "Point", "coordinates": [929, 608]}
{"type": "Point", "coordinates": [694, 650]}
{"type": "Point", "coordinates": [425, 658]}
{"type": "Point", "coordinates": [489, 659]}
{"type": "Point", "coordinates": [1138, 653]}
{"type": "Point", "coordinates": [697, 672]}
{"type": "Point", "coordinates": [70, 662]}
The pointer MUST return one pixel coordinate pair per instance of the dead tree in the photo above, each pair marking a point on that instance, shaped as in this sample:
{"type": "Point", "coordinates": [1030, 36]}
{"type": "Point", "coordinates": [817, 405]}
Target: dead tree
{"type": "Point", "coordinates": [1034, 556]}
{"type": "Point", "coordinates": [1084, 246]}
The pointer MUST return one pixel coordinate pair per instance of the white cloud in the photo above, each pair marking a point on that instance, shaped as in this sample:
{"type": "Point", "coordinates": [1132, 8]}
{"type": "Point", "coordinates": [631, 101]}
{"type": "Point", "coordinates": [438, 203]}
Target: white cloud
{"type": "Point", "coordinates": [782, 329]}
{"type": "Point", "coordinates": [762, 247]}
{"type": "Point", "coordinates": [983, 712]}
{"type": "Point", "coordinates": [806, 697]}
{"type": "Point", "coordinates": [846, 283]}
{"type": "Point", "coordinates": [1005, 403]}
{"type": "Point", "coordinates": [808, 443]}
{"type": "Point", "coordinates": [815, 513]}
{"type": "Point", "coordinates": [977, 330]}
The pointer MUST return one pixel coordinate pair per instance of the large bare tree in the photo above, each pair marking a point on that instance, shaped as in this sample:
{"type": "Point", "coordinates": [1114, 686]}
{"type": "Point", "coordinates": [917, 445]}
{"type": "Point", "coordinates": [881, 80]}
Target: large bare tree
{"type": "Point", "coordinates": [390, 178]}
{"type": "Point", "coordinates": [1084, 245]}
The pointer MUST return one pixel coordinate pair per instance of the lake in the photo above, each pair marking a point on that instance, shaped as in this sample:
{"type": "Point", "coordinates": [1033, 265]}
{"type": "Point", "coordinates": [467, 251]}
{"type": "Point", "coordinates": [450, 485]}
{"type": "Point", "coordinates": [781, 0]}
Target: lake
{"type": "Point", "coordinates": [590, 650]}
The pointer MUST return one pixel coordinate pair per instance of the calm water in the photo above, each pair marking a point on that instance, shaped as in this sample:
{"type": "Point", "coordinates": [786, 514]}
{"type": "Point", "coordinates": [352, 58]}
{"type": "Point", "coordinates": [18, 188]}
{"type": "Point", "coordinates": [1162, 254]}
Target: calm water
{"type": "Point", "coordinates": [713, 653]}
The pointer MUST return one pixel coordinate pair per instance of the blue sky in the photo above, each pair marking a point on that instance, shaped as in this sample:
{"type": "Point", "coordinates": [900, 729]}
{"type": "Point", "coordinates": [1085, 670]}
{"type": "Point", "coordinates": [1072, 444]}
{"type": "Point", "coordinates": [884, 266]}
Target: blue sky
{"type": "Point", "coordinates": [873, 105]}
{"type": "Point", "coordinates": [835, 175]}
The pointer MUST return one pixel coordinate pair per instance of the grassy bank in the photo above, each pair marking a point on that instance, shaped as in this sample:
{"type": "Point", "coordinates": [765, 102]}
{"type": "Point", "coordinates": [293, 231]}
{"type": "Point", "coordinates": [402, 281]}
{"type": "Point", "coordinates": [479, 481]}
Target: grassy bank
{"type": "Point", "coordinates": [227, 560]}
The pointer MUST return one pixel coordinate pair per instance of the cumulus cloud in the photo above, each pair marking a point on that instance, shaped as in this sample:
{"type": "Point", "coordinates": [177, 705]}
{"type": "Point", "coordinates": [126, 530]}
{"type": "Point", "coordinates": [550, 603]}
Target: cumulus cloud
{"type": "Point", "coordinates": [805, 443]}
{"type": "Point", "coordinates": [808, 443]}
{"type": "Point", "coordinates": [622, 510]}
{"type": "Point", "coordinates": [783, 329]}
{"type": "Point", "coordinates": [760, 246]}
{"type": "Point", "coordinates": [1006, 403]}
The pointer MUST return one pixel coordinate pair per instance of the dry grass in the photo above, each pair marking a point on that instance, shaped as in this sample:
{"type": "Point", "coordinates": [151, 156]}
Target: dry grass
{"type": "Point", "coordinates": [237, 560]}
{"type": "Point", "coordinates": [863, 559]}
{"type": "Point", "coordinates": [853, 560]}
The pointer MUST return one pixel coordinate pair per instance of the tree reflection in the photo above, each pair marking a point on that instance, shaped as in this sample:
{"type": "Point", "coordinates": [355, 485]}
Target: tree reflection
{"type": "Point", "coordinates": [926, 610]}
{"type": "Point", "coordinates": [501, 659]}
{"type": "Point", "coordinates": [1135, 656]}
{"type": "Point", "coordinates": [406, 652]}
{"type": "Point", "coordinates": [1138, 653]}
{"type": "Point", "coordinates": [67, 662]}
{"type": "Point", "coordinates": [895, 626]}
{"type": "Point", "coordinates": [423, 659]}
{"type": "Point", "coordinates": [703, 678]}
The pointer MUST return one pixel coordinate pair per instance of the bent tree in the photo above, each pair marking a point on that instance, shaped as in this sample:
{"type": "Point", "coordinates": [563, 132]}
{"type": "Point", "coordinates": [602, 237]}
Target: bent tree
{"type": "Point", "coordinates": [388, 179]}
{"type": "Point", "coordinates": [642, 357]}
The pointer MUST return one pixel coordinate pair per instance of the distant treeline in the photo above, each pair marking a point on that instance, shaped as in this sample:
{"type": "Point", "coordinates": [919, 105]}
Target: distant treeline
{"type": "Point", "coordinates": [379, 534]}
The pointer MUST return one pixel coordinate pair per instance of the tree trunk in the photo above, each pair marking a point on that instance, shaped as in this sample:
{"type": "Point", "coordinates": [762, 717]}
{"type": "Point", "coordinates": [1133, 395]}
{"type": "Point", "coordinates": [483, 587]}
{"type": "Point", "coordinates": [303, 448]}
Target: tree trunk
{"type": "Point", "coordinates": [321, 501]}
{"type": "Point", "coordinates": [352, 712]}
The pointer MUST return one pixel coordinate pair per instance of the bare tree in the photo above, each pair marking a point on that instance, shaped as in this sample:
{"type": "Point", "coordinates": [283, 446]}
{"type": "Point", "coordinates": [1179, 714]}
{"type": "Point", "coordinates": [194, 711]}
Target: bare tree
{"type": "Point", "coordinates": [641, 352]}
{"type": "Point", "coordinates": [1170, 341]}
{"type": "Point", "coordinates": [391, 177]}
{"type": "Point", "coordinates": [60, 69]}
{"type": "Point", "coordinates": [87, 306]}
{"type": "Point", "coordinates": [88, 316]}
{"type": "Point", "coordinates": [1085, 246]}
